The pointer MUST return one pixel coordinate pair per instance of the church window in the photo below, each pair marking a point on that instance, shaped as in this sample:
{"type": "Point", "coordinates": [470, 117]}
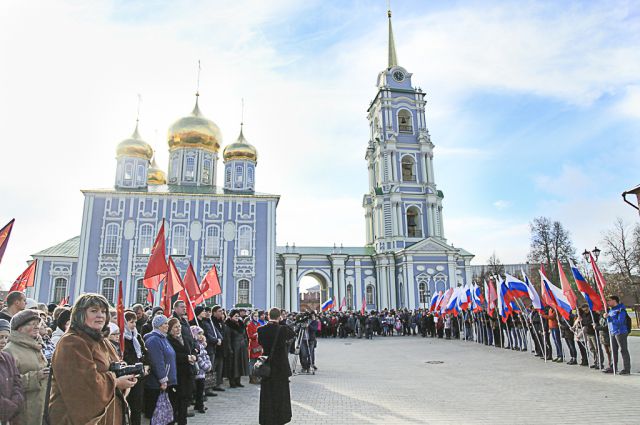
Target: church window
{"type": "Point", "coordinates": [59, 289]}
{"type": "Point", "coordinates": [279, 295]}
{"type": "Point", "coordinates": [239, 176]}
{"type": "Point", "coordinates": [175, 164]}
{"type": "Point", "coordinates": [141, 292]}
{"type": "Point", "coordinates": [109, 289]}
{"type": "Point", "coordinates": [145, 239]}
{"type": "Point", "coordinates": [250, 176]}
{"type": "Point", "coordinates": [243, 291]}
{"type": "Point", "coordinates": [404, 121]}
{"type": "Point", "coordinates": [128, 172]}
{"type": "Point", "coordinates": [413, 223]}
{"type": "Point", "coordinates": [408, 169]}
{"type": "Point", "coordinates": [140, 176]}
{"type": "Point", "coordinates": [179, 240]}
{"type": "Point", "coordinates": [206, 170]}
{"type": "Point", "coordinates": [422, 290]}
{"type": "Point", "coordinates": [244, 241]}
{"type": "Point", "coordinates": [212, 242]}
{"type": "Point", "coordinates": [111, 239]}
{"type": "Point", "coordinates": [350, 297]}
{"type": "Point", "coordinates": [227, 177]}
{"type": "Point", "coordinates": [369, 294]}
{"type": "Point", "coordinates": [190, 168]}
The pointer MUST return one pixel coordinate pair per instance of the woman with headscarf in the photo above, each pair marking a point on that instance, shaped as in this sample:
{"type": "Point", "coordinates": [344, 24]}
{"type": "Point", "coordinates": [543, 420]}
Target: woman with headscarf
{"type": "Point", "coordinates": [134, 352]}
{"type": "Point", "coordinates": [162, 362]}
{"type": "Point", "coordinates": [185, 359]}
{"type": "Point", "coordinates": [148, 327]}
{"type": "Point", "coordinates": [83, 390]}
{"type": "Point", "coordinates": [255, 349]}
{"type": "Point", "coordinates": [26, 350]}
{"type": "Point", "coordinates": [236, 359]}
{"type": "Point", "coordinates": [11, 397]}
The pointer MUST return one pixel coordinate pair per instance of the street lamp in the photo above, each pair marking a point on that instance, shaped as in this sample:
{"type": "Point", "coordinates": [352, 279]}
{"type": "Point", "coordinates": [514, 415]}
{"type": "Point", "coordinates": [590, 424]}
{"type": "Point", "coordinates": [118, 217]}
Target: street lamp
{"type": "Point", "coordinates": [595, 252]}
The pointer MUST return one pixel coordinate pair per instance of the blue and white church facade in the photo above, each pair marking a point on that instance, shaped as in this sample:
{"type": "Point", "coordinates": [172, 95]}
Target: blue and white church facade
{"type": "Point", "coordinates": [406, 257]}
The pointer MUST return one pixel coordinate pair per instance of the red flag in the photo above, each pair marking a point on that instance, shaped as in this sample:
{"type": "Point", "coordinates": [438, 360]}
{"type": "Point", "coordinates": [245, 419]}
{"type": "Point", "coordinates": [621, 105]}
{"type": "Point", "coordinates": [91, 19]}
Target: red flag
{"type": "Point", "coordinates": [5, 232]}
{"type": "Point", "coordinates": [210, 286]}
{"type": "Point", "coordinates": [492, 298]}
{"type": "Point", "coordinates": [364, 305]}
{"type": "Point", "coordinates": [191, 285]}
{"type": "Point", "coordinates": [26, 278]}
{"type": "Point", "coordinates": [157, 266]}
{"type": "Point", "coordinates": [184, 296]}
{"type": "Point", "coordinates": [150, 296]}
{"type": "Point", "coordinates": [120, 311]}
{"type": "Point", "coordinates": [544, 296]}
{"type": "Point", "coordinates": [600, 282]}
{"type": "Point", "coordinates": [343, 303]}
{"type": "Point", "coordinates": [63, 301]}
{"type": "Point", "coordinates": [566, 288]}
{"type": "Point", "coordinates": [172, 286]}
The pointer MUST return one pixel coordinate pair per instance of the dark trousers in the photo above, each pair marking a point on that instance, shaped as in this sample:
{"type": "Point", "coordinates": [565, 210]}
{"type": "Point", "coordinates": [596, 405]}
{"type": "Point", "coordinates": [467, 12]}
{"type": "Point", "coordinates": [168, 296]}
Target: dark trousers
{"type": "Point", "coordinates": [199, 395]}
{"type": "Point", "coordinates": [572, 347]}
{"type": "Point", "coordinates": [135, 401]}
{"type": "Point", "coordinates": [150, 399]}
{"type": "Point", "coordinates": [218, 365]}
{"type": "Point", "coordinates": [619, 342]}
{"type": "Point", "coordinates": [555, 333]}
{"type": "Point", "coordinates": [180, 405]}
{"type": "Point", "coordinates": [583, 353]}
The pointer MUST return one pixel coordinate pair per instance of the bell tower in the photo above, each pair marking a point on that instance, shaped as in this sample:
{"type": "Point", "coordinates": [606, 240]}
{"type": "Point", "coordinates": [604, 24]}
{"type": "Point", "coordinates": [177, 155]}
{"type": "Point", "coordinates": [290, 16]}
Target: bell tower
{"type": "Point", "coordinates": [403, 205]}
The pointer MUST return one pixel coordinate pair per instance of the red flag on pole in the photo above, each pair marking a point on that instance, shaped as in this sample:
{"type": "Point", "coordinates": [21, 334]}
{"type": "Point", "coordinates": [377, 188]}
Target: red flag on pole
{"type": "Point", "coordinates": [120, 311]}
{"type": "Point", "coordinates": [5, 232]}
{"type": "Point", "coordinates": [150, 296]}
{"type": "Point", "coordinates": [26, 278]}
{"type": "Point", "coordinates": [492, 298]}
{"type": "Point", "coordinates": [566, 288]}
{"type": "Point", "coordinates": [343, 303]}
{"type": "Point", "coordinates": [191, 285]}
{"type": "Point", "coordinates": [157, 266]}
{"type": "Point", "coordinates": [185, 296]}
{"type": "Point", "coordinates": [364, 305]}
{"type": "Point", "coordinates": [64, 301]}
{"type": "Point", "coordinates": [600, 282]}
{"type": "Point", "coordinates": [544, 296]}
{"type": "Point", "coordinates": [210, 286]}
{"type": "Point", "coordinates": [172, 286]}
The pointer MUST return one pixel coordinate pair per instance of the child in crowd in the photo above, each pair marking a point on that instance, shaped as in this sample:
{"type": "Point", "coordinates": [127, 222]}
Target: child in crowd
{"type": "Point", "coordinates": [204, 365]}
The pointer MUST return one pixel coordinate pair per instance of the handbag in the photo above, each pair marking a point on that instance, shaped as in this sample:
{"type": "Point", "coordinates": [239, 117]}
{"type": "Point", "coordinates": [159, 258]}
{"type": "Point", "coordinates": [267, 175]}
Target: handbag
{"type": "Point", "coordinates": [163, 413]}
{"type": "Point", "coordinates": [262, 368]}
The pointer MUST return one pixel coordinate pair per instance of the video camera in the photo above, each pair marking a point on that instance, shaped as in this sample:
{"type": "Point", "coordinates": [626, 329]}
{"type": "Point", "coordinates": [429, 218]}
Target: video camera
{"type": "Point", "coordinates": [302, 318]}
{"type": "Point", "coordinates": [136, 370]}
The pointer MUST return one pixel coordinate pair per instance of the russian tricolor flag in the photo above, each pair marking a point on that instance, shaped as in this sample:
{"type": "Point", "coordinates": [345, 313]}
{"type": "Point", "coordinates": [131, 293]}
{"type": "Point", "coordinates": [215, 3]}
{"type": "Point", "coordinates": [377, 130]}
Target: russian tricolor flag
{"type": "Point", "coordinates": [533, 294]}
{"type": "Point", "coordinates": [435, 299]}
{"type": "Point", "coordinates": [328, 304]}
{"type": "Point", "coordinates": [595, 303]}
{"type": "Point", "coordinates": [556, 297]}
{"type": "Point", "coordinates": [517, 288]}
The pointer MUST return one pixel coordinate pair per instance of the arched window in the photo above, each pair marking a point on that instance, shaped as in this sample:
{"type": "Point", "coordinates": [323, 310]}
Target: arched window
{"type": "Point", "coordinates": [175, 165]}
{"type": "Point", "coordinates": [206, 170]}
{"type": "Point", "coordinates": [408, 169]}
{"type": "Point", "coordinates": [243, 291]}
{"type": "Point", "coordinates": [59, 289]}
{"type": "Point", "coordinates": [369, 295]}
{"type": "Point", "coordinates": [349, 297]}
{"type": "Point", "coordinates": [250, 176]}
{"type": "Point", "coordinates": [190, 168]}
{"type": "Point", "coordinates": [244, 241]}
{"type": "Point", "coordinates": [145, 239]}
{"type": "Point", "coordinates": [441, 281]}
{"type": "Point", "coordinates": [212, 242]}
{"type": "Point", "coordinates": [109, 289]}
{"type": "Point", "coordinates": [128, 171]}
{"type": "Point", "coordinates": [422, 290]}
{"type": "Point", "coordinates": [179, 240]}
{"type": "Point", "coordinates": [239, 173]}
{"type": "Point", "coordinates": [227, 176]}
{"type": "Point", "coordinates": [140, 176]}
{"type": "Point", "coordinates": [110, 245]}
{"type": "Point", "coordinates": [279, 295]}
{"type": "Point", "coordinates": [141, 293]}
{"type": "Point", "coordinates": [413, 223]}
{"type": "Point", "coordinates": [405, 124]}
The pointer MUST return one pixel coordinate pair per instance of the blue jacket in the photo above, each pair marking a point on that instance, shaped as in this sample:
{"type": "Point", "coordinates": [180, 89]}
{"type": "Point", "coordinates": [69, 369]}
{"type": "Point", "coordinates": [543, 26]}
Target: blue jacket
{"type": "Point", "coordinates": [617, 319]}
{"type": "Point", "coordinates": [161, 356]}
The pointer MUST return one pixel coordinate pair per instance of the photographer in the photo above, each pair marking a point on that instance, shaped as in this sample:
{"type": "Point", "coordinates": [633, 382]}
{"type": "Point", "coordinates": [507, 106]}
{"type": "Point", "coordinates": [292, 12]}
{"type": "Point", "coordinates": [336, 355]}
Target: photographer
{"type": "Point", "coordinates": [309, 341]}
{"type": "Point", "coordinates": [83, 390]}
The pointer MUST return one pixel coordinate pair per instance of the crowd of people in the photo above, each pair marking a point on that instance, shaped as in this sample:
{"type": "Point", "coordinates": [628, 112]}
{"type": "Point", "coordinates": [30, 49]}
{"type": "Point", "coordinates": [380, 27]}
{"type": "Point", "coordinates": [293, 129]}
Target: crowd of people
{"type": "Point", "coordinates": [73, 365]}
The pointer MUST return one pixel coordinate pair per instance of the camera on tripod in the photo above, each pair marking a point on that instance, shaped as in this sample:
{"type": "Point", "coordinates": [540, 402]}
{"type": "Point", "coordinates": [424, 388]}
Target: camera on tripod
{"type": "Point", "coordinates": [136, 370]}
{"type": "Point", "coordinates": [302, 318]}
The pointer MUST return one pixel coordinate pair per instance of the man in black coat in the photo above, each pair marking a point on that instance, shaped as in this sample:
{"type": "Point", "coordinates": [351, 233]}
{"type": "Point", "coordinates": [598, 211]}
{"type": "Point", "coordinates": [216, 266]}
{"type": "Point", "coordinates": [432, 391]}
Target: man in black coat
{"type": "Point", "coordinates": [217, 321]}
{"type": "Point", "coordinates": [180, 313]}
{"type": "Point", "coordinates": [275, 398]}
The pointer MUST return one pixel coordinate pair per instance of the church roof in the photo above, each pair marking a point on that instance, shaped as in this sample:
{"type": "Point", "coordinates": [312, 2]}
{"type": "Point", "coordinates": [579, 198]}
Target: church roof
{"type": "Point", "coordinates": [68, 248]}
{"type": "Point", "coordinates": [326, 250]}
{"type": "Point", "coordinates": [172, 189]}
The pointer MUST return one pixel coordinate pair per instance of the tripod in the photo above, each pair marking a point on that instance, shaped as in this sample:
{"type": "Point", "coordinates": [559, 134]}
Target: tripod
{"type": "Point", "coordinates": [299, 341]}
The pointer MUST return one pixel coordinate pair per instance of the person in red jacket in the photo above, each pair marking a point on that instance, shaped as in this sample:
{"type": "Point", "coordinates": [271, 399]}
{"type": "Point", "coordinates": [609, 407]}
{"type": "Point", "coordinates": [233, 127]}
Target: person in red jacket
{"type": "Point", "coordinates": [255, 349]}
{"type": "Point", "coordinates": [552, 319]}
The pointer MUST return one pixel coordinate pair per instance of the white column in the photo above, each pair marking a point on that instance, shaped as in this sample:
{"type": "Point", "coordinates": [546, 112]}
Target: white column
{"type": "Point", "coordinates": [440, 220]}
{"type": "Point", "coordinates": [343, 286]}
{"type": "Point", "coordinates": [393, 283]}
{"type": "Point", "coordinates": [423, 166]}
{"type": "Point", "coordinates": [399, 214]}
{"type": "Point", "coordinates": [413, 302]}
{"type": "Point", "coordinates": [358, 285]}
{"type": "Point", "coordinates": [431, 178]}
{"type": "Point", "coordinates": [293, 281]}
{"type": "Point", "coordinates": [394, 224]}
{"type": "Point", "coordinates": [382, 287]}
{"type": "Point", "coordinates": [287, 285]}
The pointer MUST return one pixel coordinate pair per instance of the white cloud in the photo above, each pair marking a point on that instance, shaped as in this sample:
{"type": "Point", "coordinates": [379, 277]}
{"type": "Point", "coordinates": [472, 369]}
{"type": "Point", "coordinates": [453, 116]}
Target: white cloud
{"type": "Point", "coordinates": [570, 182]}
{"type": "Point", "coordinates": [501, 204]}
{"type": "Point", "coordinates": [629, 105]}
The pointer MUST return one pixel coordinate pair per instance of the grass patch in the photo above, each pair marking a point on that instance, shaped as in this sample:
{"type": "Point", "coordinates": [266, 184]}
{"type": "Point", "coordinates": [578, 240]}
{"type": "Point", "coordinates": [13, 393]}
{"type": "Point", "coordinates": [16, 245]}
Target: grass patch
{"type": "Point", "coordinates": [635, 333]}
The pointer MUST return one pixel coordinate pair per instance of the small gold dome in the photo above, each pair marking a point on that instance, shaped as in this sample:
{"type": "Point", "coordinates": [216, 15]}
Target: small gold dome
{"type": "Point", "coordinates": [155, 176]}
{"type": "Point", "coordinates": [134, 146]}
{"type": "Point", "coordinates": [240, 150]}
{"type": "Point", "coordinates": [195, 131]}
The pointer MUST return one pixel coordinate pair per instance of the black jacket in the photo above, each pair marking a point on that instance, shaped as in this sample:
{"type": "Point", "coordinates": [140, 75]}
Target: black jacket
{"type": "Point", "coordinates": [184, 369]}
{"type": "Point", "coordinates": [129, 355]}
{"type": "Point", "coordinates": [279, 361]}
{"type": "Point", "coordinates": [187, 337]}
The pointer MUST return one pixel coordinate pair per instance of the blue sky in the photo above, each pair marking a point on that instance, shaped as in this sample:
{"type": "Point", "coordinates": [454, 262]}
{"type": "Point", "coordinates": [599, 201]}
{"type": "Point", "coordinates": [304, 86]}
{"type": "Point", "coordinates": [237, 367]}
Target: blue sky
{"type": "Point", "coordinates": [534, 107]}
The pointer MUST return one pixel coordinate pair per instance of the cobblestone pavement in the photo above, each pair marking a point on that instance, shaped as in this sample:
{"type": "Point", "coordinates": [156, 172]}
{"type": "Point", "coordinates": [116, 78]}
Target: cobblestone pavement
{"type": "Point", "coordinates": [388, 381]}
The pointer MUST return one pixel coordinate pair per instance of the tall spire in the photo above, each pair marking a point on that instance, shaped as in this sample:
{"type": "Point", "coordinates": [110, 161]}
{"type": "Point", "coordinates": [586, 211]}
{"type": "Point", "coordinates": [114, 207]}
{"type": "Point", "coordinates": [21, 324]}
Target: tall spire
{"type": "Point", "coordinates": [393, 58]}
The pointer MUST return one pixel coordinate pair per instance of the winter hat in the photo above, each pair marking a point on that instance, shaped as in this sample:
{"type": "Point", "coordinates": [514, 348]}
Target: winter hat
{"type": "Point", "coordinates": [4, 325]}
{"type": "Point", "coordinates": [156, 310]}
{"type": "Point", "coordinates": [113, 328]}
{"type": "Point", "coordinates": [63, 319]}
{"type": "Point", "coordinates": [195, 330]}
{"type": "Point", "coordinates": [199, 309]}
{"type": "Point", "coordinates": [159, 321]}
{"type": "Point", "coordinates": [31, 304]}
{"type": "Point", "coordinates": [23, 317]}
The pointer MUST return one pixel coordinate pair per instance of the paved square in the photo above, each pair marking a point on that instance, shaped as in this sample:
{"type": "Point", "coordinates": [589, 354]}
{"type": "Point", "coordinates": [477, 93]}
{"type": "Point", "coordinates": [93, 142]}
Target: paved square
{"type": "Point", "coordinates": [387, 381]}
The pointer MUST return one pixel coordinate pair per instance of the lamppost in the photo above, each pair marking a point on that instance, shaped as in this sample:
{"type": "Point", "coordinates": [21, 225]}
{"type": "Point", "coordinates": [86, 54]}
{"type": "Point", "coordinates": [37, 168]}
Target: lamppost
{"type": "Point", "coordinates": [587, 256]}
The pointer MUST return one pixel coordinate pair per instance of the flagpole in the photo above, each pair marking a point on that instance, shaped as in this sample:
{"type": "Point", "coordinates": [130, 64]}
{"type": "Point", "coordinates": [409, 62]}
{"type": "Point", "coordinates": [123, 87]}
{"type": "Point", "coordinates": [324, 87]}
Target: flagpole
{"type": "Point", "coordinates": [184, 288]}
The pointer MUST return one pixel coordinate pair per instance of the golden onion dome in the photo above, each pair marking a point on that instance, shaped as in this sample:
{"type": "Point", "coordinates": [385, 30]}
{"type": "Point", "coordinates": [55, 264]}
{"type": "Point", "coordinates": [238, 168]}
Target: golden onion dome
{"type": "Point", "coordinates": [195, 131]}
{"type": "Point", "coordinates": [155, 176]}
{"type": "Point", "coordinates": [134, 146]}
{"type": "Point", "coordinates": [240, 150]}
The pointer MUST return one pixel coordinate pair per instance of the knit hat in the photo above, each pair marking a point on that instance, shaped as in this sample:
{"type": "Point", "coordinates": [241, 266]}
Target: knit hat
{"type": "Point", "coordinates": [23, 317]}
{"type": "Point", "coordinates": [195, 330]}
{"type": "Point", "coordinates": [199, 309]}
{"type": "Point", "coordinates": [31, 304]}
{"type": "Point", "coordinates": [159, 321]}
{"type": "Point", "coordinates": [4, 325]}
{"type": "Point", "coordinates": [156, 310]}
{"type": "Point", "coordinates": [63, 318]}
{"type": "Point", "coordinates": [113, 328]}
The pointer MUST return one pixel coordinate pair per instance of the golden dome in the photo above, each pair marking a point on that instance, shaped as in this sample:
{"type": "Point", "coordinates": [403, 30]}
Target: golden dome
{"type": "Point", "coordinates": [195, 131]}
{"type": "Point", "coordinates": [134, 146]}
{"type": "Point", "coordinates": [240, 150]}
{"type": "Point", "coordinates": [155, 176]}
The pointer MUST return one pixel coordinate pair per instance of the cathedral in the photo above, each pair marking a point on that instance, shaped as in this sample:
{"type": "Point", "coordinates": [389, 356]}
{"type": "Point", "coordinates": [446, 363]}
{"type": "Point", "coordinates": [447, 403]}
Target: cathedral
{"type": "Point", "coordinates": [405, 260]}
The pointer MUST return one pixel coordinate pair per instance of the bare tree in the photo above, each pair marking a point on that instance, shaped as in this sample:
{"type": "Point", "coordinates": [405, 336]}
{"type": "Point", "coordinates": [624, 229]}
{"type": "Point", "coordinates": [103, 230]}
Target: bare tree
{"type": "Point", "coordinates": [550, 242]}
{"type": "Point", "coordinates": [495, 266]}
{"type": "Point", "coordinates": [622, 249]}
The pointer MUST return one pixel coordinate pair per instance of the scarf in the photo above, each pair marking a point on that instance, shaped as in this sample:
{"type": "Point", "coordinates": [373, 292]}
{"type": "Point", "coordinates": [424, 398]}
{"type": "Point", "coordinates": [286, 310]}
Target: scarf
{"type": "Point", "coordinates": [132, 335]}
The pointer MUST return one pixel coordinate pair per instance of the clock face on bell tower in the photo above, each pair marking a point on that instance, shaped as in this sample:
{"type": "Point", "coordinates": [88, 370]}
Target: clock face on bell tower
{"type": "Point", "coordinates": [398, 76]}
